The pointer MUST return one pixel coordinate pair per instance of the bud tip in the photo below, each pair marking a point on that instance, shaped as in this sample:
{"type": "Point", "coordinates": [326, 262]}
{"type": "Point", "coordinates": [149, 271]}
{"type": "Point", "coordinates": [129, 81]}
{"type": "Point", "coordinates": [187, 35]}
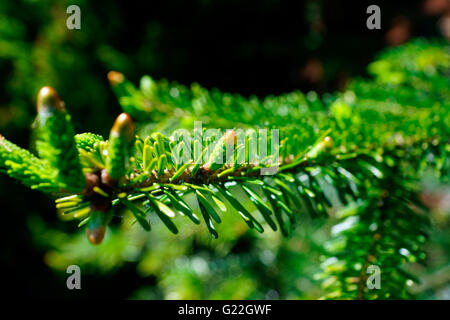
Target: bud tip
{"type": "Point", "coordinates": [124, 125]}
{"type": "Point", "coordinates": [115, 77]}
{"type": "Point", "coordinates": [96, 235]}
{"type": "Point", "coordinates": [328, 142]}
{"type": "Point", "coordinates": [49, 100]}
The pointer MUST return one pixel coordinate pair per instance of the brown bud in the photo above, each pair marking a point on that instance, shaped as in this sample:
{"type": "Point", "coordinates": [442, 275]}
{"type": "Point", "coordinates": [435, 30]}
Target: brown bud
{"type": "Point", "coordinates": [48, 100]}
{"type": "Point", "coordinates": [123, 127]}
{"type": "Point", "coordinates": [115, 77]}
{"type": "Point", "coordinates": [92, 180]}
{"type": "Point", "coordinates": [107, 180]}
{"type": "Point", "coordinates": [96, 235]}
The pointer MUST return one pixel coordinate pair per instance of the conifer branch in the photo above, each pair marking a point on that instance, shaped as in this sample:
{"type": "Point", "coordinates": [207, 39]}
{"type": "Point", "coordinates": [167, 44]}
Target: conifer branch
{"type": "Point", "coordinates": [368, 144]}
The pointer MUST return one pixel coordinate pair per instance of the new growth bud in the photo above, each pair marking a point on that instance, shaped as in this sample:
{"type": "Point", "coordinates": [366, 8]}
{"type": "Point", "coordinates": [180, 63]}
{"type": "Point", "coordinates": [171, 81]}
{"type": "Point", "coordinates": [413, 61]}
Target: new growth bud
{"type": "Point", "coordinates": [120, 141]}
{"type": "Point", "coordinates": [55, 140]}
{"type": "Point", "coordinates": [96, 235]}
{"type": "Point", "coordinates": [115, 78]}
{"type": "Point", "coordinates": [49, 101]}
{"type": "Point", "coordinates": [123, 127]}
{"type": "Point", "coordinates": [96, 228]}
{"type": "Point", "coordinates": [328, 142]}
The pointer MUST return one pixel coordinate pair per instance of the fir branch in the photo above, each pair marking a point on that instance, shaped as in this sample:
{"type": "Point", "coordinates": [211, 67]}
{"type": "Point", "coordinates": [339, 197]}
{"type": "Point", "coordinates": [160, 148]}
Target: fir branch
{"type": "Point", "coordinates": [386, 229]}
{"type": "Point", "coordinates": [20, 164]}
{"type": "Point", "coordinates": [369, 144]}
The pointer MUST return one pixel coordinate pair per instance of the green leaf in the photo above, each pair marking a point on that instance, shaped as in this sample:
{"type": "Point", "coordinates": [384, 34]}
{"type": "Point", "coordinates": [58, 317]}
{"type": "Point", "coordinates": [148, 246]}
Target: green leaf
{"type": "Point", "coordinates": [219, 203]}
{"type": "Point", "coordinates": [147, 158]}
{"type": "Point", "coordinates": [263, 208]}
{"type": "Point", "coordinates": [288, 191]}
{"type": "Point", "coordinates": [204, 201]}
{"type": "Point", "coordinates": [162, 207]}
{"type": "Point", "coordinates": [163, 212]}
{"type": "Point", "coordinates": [208, 221]}
{"type": "Point", "coordinates": [248, 218]}
{"type": "Point", "coordinates": [277, 210]}
{"type": "Point", "coordinates": [180, 171]}
{"type": "Point", "coordinates": [138, 214]}
{"type": "Point", "coordinates": [257, 198]}
{"type": "Point", "coordinates": [178, 187]}
{"type": "Point", "coordinates": [162, 162]}
{"type": "Point", "coordinates": [181, 206]}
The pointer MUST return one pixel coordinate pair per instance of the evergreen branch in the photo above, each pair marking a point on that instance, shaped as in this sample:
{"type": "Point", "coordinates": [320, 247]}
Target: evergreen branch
{"type": "Point", "coordinates": [20, 164]}
{"type": "Point", "coordinates": [369, 144]}
{"type": "Point", "coordinates": [385, 230]}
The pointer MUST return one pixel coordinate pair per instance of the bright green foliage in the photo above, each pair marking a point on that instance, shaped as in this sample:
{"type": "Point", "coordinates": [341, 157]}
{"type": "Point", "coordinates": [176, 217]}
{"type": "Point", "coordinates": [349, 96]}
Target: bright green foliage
{"type": "Point", "coordinates": [358, 153]}
{"type": "Point", "coordinates": [87, 141]}
{"type": "Point", "coordinates": [25, 167]}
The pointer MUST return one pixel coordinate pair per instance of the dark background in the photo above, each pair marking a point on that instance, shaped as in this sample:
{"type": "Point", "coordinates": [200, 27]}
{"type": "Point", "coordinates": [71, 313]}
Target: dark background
{"type": "Point", "coordinates": [250, 47]}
